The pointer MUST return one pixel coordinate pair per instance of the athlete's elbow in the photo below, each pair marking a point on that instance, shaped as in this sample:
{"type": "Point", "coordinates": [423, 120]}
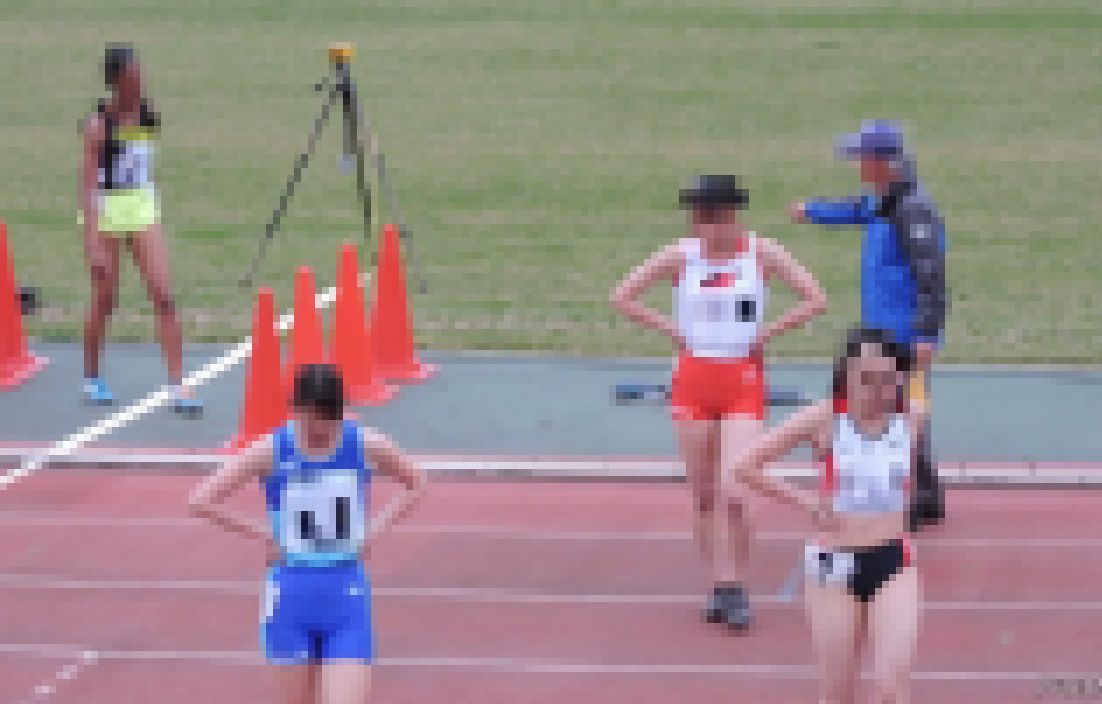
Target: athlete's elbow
{"type": "Point", "coordinates": [617, 300]}
{"type": "Point", "coordinates": [817, 303]}
{"type": "Point", "coordinates": [417, 482]}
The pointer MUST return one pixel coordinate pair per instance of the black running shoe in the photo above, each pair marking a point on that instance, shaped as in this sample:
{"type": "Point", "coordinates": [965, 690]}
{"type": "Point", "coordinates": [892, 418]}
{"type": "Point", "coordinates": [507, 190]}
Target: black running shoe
{"type": "Point", "coordinates": [737, 611]}
{"type": "Point", "coordinates": [717, 605]}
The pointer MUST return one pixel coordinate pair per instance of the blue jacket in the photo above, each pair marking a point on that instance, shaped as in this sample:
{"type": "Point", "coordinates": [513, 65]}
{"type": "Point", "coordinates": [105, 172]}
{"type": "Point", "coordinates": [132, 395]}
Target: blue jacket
{"type": "Point", "coordinates": [903, 286]}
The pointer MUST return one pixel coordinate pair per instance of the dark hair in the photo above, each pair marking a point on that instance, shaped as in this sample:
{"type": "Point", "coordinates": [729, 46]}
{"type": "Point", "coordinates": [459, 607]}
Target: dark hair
{"type": "Point", "coordinates": [115, 59]}
{"type": "Point", "coordinates": [856, 339]}
{"type": "Point", "coordinates": [320, 387]}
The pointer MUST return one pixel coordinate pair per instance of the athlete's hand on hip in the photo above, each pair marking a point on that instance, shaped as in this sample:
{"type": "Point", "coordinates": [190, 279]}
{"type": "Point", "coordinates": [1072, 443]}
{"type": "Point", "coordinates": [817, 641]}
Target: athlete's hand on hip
{"type": "Point", "coordinates": [273, 553]}
{"type": "Point", "coordinates": [798, 211]}
{"type": "Point", "coordinates": [823, 516]}
{"type": "Point", "coordinates": [680, 343]}
{"type": "Point", "coordinates": [757, 347]}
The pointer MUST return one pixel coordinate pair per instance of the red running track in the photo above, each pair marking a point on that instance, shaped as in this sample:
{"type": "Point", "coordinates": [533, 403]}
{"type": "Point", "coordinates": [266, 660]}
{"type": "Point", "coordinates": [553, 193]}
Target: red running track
{"type": "Point", "coordinates": [519, 592]}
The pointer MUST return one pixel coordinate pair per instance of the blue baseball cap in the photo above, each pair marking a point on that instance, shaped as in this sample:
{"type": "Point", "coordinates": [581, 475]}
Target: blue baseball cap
{"type": "Point", "coordinates": [879, 139]}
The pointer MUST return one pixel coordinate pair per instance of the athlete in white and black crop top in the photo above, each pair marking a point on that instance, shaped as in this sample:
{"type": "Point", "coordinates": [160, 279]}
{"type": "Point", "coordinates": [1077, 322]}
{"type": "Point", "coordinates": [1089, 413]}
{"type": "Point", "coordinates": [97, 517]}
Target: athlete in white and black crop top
{"type": "Point", "coordinates": [860, 566]}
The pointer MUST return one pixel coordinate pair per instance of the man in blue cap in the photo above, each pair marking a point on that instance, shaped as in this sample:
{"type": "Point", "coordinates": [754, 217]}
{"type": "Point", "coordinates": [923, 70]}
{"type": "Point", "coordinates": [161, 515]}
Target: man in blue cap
{"type": "Point", "coordinates": [903, 287]}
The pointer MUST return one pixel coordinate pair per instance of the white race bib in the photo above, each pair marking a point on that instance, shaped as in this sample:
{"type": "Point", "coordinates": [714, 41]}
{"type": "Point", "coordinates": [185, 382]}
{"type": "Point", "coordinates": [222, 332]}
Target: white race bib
{"type": "Point", "coordinates": [826, 567]}
{"type": "Point", "coordinates": [867, 484]}
{"type": "Point", "coordinates": [323, 516]}
{"type": "Point", "coordinates": [133, 164]}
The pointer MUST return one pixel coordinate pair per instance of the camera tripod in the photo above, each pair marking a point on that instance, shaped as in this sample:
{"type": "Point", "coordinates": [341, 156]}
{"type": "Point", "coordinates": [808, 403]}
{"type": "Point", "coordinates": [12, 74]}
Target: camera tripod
{"type": "Point", "coordinates": [341, 89]}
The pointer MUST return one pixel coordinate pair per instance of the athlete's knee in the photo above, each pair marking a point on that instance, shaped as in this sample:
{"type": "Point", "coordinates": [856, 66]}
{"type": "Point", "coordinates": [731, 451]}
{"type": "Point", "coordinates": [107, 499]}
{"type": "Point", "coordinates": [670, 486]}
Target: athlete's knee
{"type": "Point", "coordinates": [705, 501]}
{"type": "Point", "coordinates": [733, 498]}
{"type": "Point", "coordinates": [164, 303]}
{"type": "Point", "coordinates": [103, 300]}
{"type": "Point", "coordinates": [891, 689]}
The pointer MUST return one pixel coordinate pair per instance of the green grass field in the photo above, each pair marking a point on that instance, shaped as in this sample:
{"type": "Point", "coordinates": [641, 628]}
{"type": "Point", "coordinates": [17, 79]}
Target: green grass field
{"type": "Point", "coordinates": [538, 148]}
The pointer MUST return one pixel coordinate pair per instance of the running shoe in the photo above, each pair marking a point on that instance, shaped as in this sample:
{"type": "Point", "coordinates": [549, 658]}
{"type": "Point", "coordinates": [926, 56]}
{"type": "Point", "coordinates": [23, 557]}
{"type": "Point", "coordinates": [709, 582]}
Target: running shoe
{"type": "Point", "coordinates": [96, 392]}
{"type": "Point", "coordinates": [736, 613]}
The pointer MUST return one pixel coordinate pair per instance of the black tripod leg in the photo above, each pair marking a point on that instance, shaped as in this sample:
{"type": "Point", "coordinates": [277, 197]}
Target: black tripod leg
{"type": "Point", "coordinates": [378, 158]}
{"type": "Point", "coordinates": [289, 187]}
{"type": "Point", "coordinates": [354, 143]}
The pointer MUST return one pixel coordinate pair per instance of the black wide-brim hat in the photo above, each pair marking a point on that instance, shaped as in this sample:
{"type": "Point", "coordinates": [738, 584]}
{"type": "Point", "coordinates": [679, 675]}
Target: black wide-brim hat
{"type": "Point", "coordinates": [715, 191]}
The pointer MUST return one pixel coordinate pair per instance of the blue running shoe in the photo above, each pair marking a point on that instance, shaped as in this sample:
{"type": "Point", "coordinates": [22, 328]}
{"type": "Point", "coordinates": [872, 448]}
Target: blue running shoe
{"type": "Point", "coordinates": [96, 392]}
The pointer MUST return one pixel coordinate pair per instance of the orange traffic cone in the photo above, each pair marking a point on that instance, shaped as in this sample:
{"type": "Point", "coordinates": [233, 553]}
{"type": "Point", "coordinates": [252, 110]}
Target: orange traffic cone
{"type": "Point", "coordinates": [349, 339]}
{"type": "Point", "coordinates": [17, 363]}
{"type": "Point", "coordinates": [306, 343]}
{"type": "Point", "coordinates": [265, 404]}
{"type": "Point", "coordinates": [391, 327]}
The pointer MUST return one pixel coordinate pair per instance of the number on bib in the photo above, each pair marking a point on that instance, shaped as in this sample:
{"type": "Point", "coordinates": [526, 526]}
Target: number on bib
{"type": "Point", "coordinates": [325, 515]}
{"type": "Point", "coordinates": [829, 567]}
{"type": "Point", "coordinates": [715, 311]}
{"type": "Point", "coordinates": [132, 166]}
{"type": "Point", "coordinates": [747, 310]}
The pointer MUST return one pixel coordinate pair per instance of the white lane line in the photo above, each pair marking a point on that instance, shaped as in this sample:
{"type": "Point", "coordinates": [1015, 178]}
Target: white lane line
{"type": "Point", "coordinates": [536, 666]}
{"type": "Point", "coordinates": [151, 402]}
{"type": "Point", "coordinates": [491, 595]}
{"type": "Point", "coordinates": [508, 532]}
{"type": "Point", "coordinates": [68, 673]}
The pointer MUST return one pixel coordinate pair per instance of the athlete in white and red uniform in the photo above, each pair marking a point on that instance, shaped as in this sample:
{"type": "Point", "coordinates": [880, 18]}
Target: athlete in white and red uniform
{"type": "Point", "coordinates": [862, 581]}
{"type": "Point", "coordinates": [720, 276]}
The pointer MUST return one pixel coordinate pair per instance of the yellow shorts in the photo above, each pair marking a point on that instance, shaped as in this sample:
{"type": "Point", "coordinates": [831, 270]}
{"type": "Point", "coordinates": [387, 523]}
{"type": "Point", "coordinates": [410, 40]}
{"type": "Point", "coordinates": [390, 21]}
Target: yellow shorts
{"type": "Point", "coordinates": [127, 211]}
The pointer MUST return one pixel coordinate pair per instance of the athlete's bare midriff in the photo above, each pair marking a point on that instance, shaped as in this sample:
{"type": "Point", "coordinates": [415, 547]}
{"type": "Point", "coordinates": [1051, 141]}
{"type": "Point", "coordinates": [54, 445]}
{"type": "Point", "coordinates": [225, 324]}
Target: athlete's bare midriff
{"type": "Point", "coordinates": [857, 531]}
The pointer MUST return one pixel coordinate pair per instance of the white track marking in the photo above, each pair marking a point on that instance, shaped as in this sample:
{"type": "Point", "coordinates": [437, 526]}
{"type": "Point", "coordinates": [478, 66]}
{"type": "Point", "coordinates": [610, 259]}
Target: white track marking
{"type": "Point", "coordinates": [151, 402]}
{"type": "Point", "coordinates": [489, 595]}
{"type": "Point", "coordinates": [516, 532]}
{"type": "Point", "coordinates": [533, 666]}
{"type": "Point", "coordinates": [68, 673]}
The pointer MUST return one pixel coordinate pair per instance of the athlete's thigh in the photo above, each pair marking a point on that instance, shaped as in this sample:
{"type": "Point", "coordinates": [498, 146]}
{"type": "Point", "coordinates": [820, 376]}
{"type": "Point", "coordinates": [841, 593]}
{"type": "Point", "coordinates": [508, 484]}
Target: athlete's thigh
{"type": "Point", "coordinates": [297, 683]}
{"type": "Point", "coordinates": [894, 620]}
{"type": "Point", "coordinates": [350, 635]}
{"type": "Point", "coordinates": [284, 638]}
{"type": "Point", "coordinates": [345, 682]}
{"type": "Point", "coordinates": [150, 253]}
{"type": "Point", "coordinates": [699, 443]}
{"type": "Point", "coordinates": [837, 631]}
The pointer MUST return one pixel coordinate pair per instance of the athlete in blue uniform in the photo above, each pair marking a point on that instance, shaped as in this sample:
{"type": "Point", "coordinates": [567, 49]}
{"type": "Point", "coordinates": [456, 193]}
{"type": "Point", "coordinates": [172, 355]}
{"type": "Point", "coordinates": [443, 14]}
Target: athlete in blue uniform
{"type": "Point", "coordinates": [316, 617]}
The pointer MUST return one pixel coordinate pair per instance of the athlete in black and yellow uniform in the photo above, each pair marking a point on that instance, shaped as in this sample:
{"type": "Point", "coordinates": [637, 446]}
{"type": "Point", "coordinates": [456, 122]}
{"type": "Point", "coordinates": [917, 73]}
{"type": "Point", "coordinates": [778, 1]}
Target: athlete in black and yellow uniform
{"type": "Point", "coordinates": [120, 205]}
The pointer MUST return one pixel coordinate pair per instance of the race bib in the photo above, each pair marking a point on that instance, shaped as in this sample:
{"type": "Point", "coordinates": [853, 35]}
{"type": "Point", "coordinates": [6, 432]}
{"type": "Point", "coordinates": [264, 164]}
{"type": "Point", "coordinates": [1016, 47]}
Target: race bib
{"type": "Point", "coordinates": [729, 310]}
{"type": "Point", "coordinates": [323, 516]}
{"type": "Point", "coordinates": [133, 164]}
{"type": "Point", "coordinates": [828, 568]}
{"type": "Point", "coordinates": [715, 311]}
{"type": "Point", "coordinates": [873, 488]}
